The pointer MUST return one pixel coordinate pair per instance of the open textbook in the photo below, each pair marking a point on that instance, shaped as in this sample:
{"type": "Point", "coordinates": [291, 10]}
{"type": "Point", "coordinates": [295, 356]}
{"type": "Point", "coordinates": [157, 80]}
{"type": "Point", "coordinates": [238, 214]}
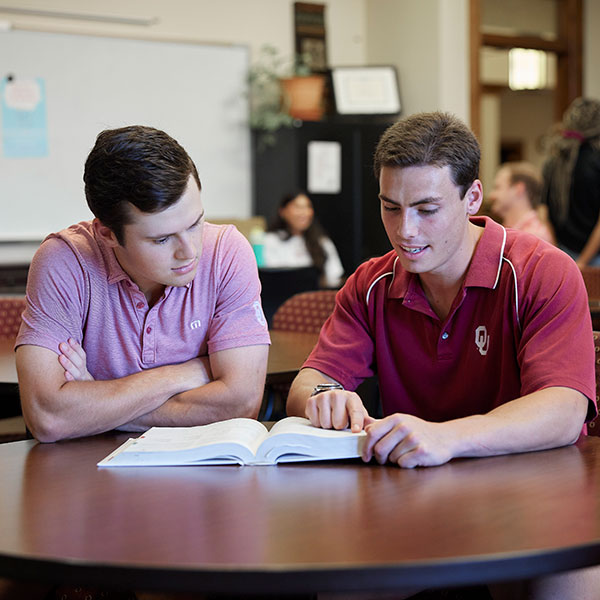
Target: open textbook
{"type": "Point", "coordinates": [236, 441]}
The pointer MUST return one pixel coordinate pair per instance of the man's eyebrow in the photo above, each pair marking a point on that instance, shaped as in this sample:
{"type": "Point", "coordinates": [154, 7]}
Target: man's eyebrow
{"type": "Point", "coordinates": [429, 200]}
{"type": "Point", "coordinates": [159, 236]}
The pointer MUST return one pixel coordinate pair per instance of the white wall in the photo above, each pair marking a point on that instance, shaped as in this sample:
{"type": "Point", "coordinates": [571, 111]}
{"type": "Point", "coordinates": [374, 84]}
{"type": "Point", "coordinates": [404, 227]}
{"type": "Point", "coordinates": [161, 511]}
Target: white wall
{"type": "Point", "coordinates": [427, 40]}
{"type": "Point", "coordinates": [591, 49]}
{"type": "Point", "coordinates": [249, 22]}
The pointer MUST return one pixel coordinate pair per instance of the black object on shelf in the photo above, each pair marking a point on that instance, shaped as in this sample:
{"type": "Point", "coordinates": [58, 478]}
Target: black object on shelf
{"type": "Point", "coordinates": [280, 284]}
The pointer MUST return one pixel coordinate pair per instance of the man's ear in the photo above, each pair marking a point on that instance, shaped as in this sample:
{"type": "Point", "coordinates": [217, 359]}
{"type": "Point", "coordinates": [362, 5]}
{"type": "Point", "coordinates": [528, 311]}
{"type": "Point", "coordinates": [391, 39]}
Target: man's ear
{"type": "Point", "coordinates": [105, 233]}
{"type": "Point", "coordinates": [520, 188]}
{"type": "Point", "coordinates": [474, 197]}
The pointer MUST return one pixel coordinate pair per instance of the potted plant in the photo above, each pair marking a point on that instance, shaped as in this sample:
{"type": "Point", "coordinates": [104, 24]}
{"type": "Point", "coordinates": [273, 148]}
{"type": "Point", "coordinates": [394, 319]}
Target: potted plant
{"type": "Point", "coordinates": [281, 91]}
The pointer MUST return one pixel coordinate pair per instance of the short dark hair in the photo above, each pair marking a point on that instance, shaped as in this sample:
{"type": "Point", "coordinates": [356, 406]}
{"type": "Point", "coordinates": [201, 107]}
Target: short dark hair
{"type": "Point", "coordinates": [527, 174]}
{"type": "Point", "coordinates": [431, 139]}
{"type": "Point", "coordinates": [134, 165]}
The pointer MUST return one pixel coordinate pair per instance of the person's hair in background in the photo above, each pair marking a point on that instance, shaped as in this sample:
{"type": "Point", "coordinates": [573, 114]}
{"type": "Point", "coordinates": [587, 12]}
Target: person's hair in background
{"type": "Point", "coordinates": [295, 216]}
{"type": "Point", "coordinates": [515, 199]}
{"type": "Point", "coordinates": [135, 165]}
{"type": "Point", "coordinates": [581, 123]}
{"type": "Point", "coordinates": [431, 139]}
{"type": "Point", "coordinates": [530, 176]}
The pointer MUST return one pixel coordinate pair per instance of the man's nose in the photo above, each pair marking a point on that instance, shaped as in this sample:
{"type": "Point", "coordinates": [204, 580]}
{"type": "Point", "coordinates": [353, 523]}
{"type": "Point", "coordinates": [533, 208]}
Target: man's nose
{"type": "Point", "coordinates": [407, 228]}
{"type": "Point", "coordinates": [186, 247]}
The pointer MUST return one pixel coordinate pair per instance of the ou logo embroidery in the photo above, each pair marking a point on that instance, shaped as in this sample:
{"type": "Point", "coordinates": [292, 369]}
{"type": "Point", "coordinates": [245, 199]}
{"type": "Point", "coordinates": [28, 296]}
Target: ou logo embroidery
{"type": "Point", "coordinates": [482, 340]}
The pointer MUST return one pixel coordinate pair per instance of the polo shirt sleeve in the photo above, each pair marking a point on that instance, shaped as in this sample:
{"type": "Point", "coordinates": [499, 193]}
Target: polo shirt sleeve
{"type": "Point", "coordinates": [238, 319]}
{"type": "Point", "coordinates": [345, 350]}
{"type": "Point", "coordinates": [57, 293]}
{"type": "Point", "coordinates": [556, 345]}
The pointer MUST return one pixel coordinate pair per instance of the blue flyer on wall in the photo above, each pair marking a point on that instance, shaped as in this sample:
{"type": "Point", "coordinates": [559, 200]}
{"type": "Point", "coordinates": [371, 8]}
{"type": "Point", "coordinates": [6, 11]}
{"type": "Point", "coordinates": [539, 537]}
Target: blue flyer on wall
{"type": "Point", "coordinates": [24, 123]}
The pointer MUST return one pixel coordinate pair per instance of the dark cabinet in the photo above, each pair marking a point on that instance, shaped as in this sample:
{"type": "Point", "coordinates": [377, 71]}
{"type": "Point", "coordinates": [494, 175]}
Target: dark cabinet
{"type": "Point", "coordinates": [350, 217]}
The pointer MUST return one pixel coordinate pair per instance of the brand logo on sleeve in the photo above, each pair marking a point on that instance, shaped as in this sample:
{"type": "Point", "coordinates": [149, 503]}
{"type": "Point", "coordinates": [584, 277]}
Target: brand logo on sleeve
{"type": "Point", "coordinates": [260, 315]}
{"type": "Point", "coordinates": [482, 340]}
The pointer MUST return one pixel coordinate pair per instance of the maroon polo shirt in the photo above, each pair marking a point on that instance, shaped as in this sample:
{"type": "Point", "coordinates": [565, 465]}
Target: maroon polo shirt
{"type": "Point", "coordinates": [520, 323]}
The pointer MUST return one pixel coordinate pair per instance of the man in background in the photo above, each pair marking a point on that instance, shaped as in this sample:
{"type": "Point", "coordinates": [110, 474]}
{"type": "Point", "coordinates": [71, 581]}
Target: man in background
{"type": "Point", "coordinates": [515, 199]}
{"type": "Point", "coordinates": [146, 315]}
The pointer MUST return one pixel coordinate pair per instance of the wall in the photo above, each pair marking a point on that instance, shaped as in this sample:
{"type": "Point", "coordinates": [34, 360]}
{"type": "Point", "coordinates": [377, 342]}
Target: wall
{"type": "Point", "coordinates": [428, 43]}
{"type": "Point", "coordinates": [252, 22]}
{"type": "Point", "coordinates": [591, 48]}
{"type": "Point", "coordinates": [427, 40]}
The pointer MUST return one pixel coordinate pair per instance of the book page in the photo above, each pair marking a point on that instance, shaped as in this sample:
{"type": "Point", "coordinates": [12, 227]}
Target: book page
{"type": "Point", "coordinates": [224, 442]}
{"type": "Point", "coordinates": [295, 439]}
{"type": "Point", "coordinates": [246, 432]}
{"type": "Point", "coordinates": [303, 426]}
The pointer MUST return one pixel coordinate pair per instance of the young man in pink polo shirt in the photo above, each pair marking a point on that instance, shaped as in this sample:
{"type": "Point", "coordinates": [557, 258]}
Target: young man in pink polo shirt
{"type": "Point", "coordinates": [481, 338]}
{"type": "Point", "coordinates": [146, 315]}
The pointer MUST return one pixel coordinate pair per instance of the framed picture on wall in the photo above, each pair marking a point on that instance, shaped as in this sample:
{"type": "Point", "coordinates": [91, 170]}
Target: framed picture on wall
{"type": "Point", "coordinates": [309, 27]}
{"type": "Point", "coordinates": [366, 90]}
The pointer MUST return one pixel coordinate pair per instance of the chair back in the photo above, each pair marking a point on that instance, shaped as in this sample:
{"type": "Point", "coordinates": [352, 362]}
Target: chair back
{"type": "Point", "coordinates": [591, 278]}
{"type": "Point", "coordinates": [305, 312]}
{"type": "Point", "coordinates": [11, 308]}
{"type": "Point", "coordinates": [593, 427]}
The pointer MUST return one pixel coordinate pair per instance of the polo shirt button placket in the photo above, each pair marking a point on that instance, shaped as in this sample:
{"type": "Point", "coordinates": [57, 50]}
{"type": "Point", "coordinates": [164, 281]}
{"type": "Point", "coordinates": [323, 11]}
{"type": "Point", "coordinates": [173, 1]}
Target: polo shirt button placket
{"type": "Point", "coordinates": [149, 340]}
{"type": "Point", "coordinates": [445, 335]}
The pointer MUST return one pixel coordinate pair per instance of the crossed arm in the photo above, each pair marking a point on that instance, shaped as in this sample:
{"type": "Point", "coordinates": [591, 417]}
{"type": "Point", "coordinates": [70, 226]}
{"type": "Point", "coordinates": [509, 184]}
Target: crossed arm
{"type": "Point", "coordinates": [61, 400]}
{"type": "Point", "coordinates": [547, 418]}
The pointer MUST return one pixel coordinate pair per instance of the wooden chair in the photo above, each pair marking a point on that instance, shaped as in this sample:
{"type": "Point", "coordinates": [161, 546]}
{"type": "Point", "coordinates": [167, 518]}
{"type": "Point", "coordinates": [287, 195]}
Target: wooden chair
{"type": "Point", "coordinates": [11, 308]}
{"type": "Point", "coordinates": [591, 278]}
{"type": "Point", "coordinates": [594, 426]}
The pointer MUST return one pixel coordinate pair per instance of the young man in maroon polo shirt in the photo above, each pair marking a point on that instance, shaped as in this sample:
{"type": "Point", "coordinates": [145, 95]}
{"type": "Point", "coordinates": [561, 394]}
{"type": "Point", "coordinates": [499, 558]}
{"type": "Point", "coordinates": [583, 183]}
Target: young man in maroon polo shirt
{"type": "Point", "coordinates": [481, 338]}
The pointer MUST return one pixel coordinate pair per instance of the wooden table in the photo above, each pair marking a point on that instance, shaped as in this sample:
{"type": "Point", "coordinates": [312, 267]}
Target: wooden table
{"type": "Point", "coordinates": [288, 351]}
{"type": "Point", "coordinates": [302, 528]}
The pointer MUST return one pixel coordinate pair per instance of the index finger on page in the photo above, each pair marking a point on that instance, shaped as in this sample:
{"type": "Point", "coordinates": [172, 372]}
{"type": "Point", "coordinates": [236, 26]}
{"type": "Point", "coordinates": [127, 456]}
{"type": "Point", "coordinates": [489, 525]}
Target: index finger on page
{"type": "Point", "coordinates": [356, 413]}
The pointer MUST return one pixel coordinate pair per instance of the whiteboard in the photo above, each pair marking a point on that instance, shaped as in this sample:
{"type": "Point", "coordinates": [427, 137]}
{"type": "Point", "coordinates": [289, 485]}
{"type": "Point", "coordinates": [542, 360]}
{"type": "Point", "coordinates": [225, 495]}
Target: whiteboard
{"type": "Point", "coordinates": [194, 92]}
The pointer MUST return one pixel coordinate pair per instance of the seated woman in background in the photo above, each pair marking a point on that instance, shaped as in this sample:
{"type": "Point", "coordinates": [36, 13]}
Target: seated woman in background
{"type": "Point", "coordinates": [295, 239]}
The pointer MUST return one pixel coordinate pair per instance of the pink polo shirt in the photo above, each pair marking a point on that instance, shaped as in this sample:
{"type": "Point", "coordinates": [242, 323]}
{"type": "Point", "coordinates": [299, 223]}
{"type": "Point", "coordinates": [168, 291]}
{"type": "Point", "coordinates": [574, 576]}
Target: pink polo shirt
{"type": "Point", "coordinates": [76, 288]}
{"type": "Point", "coordinates": [520, 323]}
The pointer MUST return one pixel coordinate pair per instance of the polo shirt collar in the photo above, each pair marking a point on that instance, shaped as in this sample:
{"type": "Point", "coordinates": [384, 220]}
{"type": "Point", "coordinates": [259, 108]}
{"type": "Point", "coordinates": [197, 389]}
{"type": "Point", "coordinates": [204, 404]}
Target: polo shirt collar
{"type": "Point", "coordinates": [114, 271]}
{"type": "Point", "coordinates": [484, 269]}
{"type": "Point", "coordinates": [482, 272]}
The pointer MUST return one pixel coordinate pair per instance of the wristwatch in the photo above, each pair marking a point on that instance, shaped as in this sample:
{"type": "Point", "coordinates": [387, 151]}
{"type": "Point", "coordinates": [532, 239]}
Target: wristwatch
{"type": "Point", "coordinates": [326, 387]}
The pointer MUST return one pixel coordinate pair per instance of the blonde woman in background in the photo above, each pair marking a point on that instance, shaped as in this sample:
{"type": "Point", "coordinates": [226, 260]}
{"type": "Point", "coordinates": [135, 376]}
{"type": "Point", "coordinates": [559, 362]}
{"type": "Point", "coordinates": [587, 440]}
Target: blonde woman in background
{"type": "Point", "coordinates": [572, 182]}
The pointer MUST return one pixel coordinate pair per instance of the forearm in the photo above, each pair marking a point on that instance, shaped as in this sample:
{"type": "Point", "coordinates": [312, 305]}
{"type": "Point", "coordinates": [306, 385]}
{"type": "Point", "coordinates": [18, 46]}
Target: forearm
{"type": "Point", "coordinates": [302, 388]}
{"type": "Point", "coordinates": [545, 419]}
{"type": "Point", "coordinates": [80, 408]}
{"type": "Point", "coordinates": [215, 401]}
{"type": "Point", "coordinates": [591, 247]}
{"type": "Point", "coordinates": [235, 390]}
